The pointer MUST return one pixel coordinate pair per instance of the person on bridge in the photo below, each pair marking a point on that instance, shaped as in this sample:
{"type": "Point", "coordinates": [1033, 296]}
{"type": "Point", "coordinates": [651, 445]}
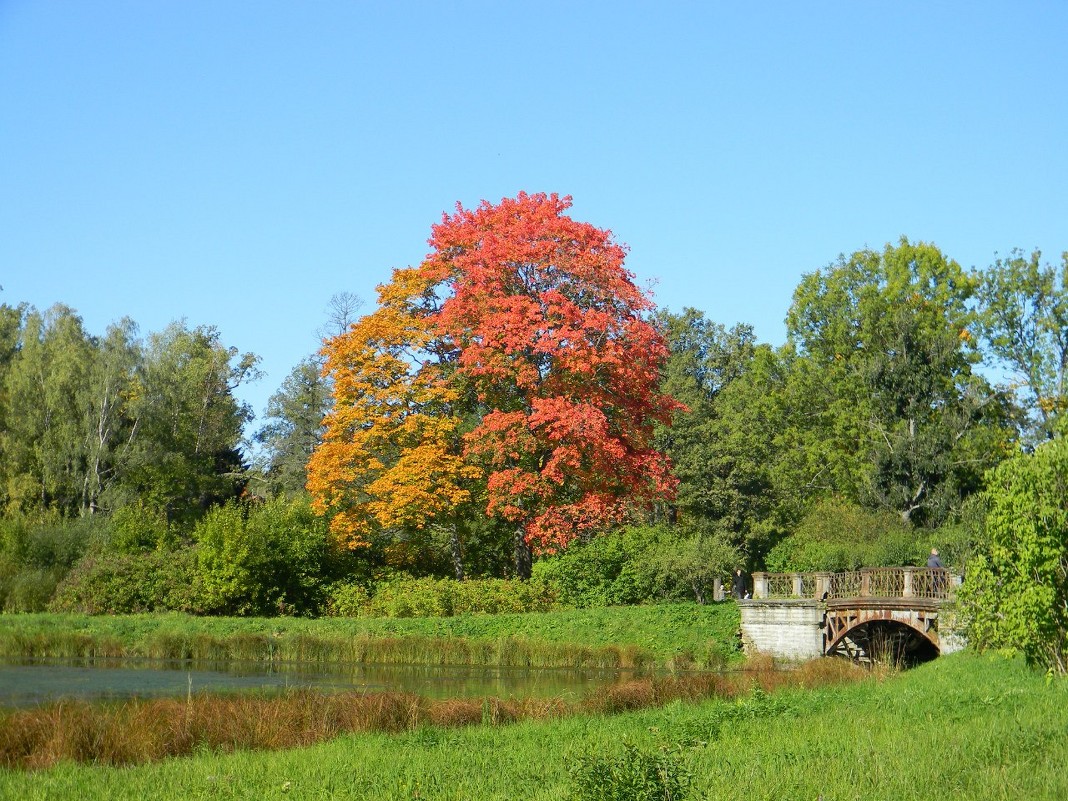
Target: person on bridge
{"type": "Point", "coordinates": [738, 587]}
{"type": "Point", "coordinates": [933, 560]}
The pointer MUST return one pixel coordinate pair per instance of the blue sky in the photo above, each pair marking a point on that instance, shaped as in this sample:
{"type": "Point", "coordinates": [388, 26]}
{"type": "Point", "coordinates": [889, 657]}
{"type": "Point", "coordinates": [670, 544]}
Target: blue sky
{"type": "Point", "coordinates": [237, 163]}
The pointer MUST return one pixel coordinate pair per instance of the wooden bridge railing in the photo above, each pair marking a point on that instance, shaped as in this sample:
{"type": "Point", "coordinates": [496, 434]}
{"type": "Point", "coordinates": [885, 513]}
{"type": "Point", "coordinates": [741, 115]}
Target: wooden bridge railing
{"type": "Point", "coordinates": [870, 582]}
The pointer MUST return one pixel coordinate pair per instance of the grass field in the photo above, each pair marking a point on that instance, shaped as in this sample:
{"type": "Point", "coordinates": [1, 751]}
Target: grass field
{"type": "Point", "coordinates": [668, 635]}
{"type": "Point", "coordinates": [960, 727]}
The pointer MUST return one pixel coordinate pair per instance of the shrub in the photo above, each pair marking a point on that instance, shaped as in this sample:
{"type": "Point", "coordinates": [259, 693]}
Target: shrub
{"type": "Point", "coordinates": [51, 542]}
{"type": "Point", "coordinates": [35, 555]}
{"type": "Point", "coordinates": [430, 597]}
{"type": "Point", "coordinates": [28, 590]}
{"type": "Point", "coordinates": [609, 570]}
{"type": "Point", "coordinates": [156, 581]}
{"type": "Point", "coordinates": [137, 528]}
{"type": "Point", "coordinates": [638, 564]}
{"type": "Point", "coordinates": [346, 599]}
{"type": "Point", "coordinates": [262, 559]}
{"type": "Point", "coordinates": [1016, 595]}
{"type": "Point", "coordinates": [687, 567]}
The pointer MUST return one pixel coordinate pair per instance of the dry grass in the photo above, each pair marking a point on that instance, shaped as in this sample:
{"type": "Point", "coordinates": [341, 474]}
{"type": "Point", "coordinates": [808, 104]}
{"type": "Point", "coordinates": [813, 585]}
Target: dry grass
{"type": "Point", "coordinates": [148, 730]}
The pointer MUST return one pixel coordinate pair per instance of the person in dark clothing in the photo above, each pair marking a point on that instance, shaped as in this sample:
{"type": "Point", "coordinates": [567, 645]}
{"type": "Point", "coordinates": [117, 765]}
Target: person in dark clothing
{"type": "Point", "coordinates": [939, 582]}
{"type": "Point", "coordinates": [738, 587]}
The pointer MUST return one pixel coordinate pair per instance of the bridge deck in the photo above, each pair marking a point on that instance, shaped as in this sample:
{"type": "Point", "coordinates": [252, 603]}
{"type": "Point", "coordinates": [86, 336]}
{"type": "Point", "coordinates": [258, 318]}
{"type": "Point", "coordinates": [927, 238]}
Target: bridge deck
{"type": "Point", "coordinates": [914, 583]}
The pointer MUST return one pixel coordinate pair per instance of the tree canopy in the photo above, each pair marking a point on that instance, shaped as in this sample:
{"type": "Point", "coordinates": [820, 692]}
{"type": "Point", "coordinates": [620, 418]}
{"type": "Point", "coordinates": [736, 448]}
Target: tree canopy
{"type": "Point", "coordinates": [516, 364]}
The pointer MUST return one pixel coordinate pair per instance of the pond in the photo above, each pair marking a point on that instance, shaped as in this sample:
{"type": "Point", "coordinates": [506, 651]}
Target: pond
{"type": "Point", "coordinates": [30, 682]}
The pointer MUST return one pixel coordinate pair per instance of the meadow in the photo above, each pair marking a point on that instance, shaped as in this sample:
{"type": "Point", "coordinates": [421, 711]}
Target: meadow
{"type": "Point", "coordinates": [962, 726]}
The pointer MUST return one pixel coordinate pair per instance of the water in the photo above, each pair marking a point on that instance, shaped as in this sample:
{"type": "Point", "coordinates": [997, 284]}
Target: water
{"type": "Point", "coordinates": [30, 682]}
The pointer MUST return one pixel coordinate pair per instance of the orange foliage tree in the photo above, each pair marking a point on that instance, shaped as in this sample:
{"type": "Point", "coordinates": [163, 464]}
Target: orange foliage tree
{"type": "Point", "coordinates": [532, 320]}
{"type": "Point", "coordinates": [391, 454]}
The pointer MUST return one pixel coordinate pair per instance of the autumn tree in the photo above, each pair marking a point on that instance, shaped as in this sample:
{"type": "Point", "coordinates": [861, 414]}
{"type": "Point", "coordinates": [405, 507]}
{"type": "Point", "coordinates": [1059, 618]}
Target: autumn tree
{"type": "Point", "coordinates": [516, 363]}
{"type": "Point", "coordinates": [391, 455]}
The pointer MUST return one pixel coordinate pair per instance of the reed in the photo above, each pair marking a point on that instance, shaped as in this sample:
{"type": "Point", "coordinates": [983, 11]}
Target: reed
{"type": "Point", "coordinates": [681, 636]}
{"type": "Point", "coordinates": [147, 730]}
{"type": "Point", "coordinates": [408, 650]}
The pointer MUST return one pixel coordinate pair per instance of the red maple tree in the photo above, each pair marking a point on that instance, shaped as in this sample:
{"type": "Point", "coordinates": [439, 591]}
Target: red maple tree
{"type": "Point", "coordinates": [548, 336]}
{"type": "Point", "coordinates": [553, 336]}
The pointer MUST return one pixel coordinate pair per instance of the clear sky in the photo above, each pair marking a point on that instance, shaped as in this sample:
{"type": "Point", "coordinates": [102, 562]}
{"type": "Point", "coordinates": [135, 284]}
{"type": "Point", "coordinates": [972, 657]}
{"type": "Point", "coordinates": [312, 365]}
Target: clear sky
{"type": "Point", "coordinates": [237, 163]}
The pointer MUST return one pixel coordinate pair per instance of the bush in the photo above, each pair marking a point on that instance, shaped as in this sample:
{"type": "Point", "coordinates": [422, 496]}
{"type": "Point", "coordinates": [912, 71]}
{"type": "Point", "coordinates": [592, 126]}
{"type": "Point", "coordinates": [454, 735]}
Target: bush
{"type": "Point", "coordinates": [638, 564]}
{"type": "Point", "coordinates": [35, 555]}
{"type": "Point", "coordinates": [609, 570]}
{"type": "Point", "coordinates": [28, 590]}
{"type": "Point", "coordinates": [686, 568]}
{"type": "Point", "coordinates": [837, 535]}
{"type": "Point", "coordinates": [346, 599]}
{"type": "Point", "coordinates": [262, 559]}
{"type": "Point", "coordinates": [52, 542]}
{"type": "Point", "coordinates": [137, 528]}
{"type": "Point", "coordinates": [429, 597]}
{"type": "Point", "coordinates": [115, 584]}
{"type": "Point", "coordinates": [1015, 598]}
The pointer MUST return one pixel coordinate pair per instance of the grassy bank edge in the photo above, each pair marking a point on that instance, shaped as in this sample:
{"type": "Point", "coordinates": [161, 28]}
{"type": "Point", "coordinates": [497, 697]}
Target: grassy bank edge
{"type": "Point", "coordinates": [669, 635]}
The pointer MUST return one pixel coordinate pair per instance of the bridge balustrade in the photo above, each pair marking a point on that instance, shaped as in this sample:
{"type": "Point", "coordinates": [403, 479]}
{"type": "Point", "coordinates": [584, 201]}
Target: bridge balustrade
{"type": "Point", "coordinates": [871, 582]}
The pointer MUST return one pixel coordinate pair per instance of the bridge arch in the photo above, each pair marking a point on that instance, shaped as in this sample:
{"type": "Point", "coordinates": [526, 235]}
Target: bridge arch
{"type": "Point", "coordinates": [883, 637]}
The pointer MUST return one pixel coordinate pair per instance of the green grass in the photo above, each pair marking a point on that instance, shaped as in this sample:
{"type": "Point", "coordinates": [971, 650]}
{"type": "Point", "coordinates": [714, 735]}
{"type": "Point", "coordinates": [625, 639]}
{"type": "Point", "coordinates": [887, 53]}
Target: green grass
{"type": "Point", "coordinates": [680, 635]}
{"type": "Point", "coordinates": [961, 727]}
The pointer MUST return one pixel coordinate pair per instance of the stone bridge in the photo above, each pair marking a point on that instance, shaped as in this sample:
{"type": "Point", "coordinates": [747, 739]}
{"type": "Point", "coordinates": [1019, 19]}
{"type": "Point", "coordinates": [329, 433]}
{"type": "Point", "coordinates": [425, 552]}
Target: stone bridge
{"type": "Point", "coordinates": [901, 613]}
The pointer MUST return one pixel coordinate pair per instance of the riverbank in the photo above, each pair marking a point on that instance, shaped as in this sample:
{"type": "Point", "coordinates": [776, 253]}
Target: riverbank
{"type": "Point", "coordinates": [959, 727]}
{"type": "Point", "coordinates": [680, 636]}
{"type": "Point", "coordinates": [138, 731]}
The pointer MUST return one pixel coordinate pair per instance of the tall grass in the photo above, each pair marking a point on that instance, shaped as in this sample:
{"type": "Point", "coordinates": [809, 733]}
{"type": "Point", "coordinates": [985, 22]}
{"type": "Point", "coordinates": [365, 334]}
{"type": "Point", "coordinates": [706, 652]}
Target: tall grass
{"type": "Point", "coordinates": [676, 635]}
{"type": "Point", "coordinates": [960, 727]}
{"type": "Point", "coordinates": [146, 730]}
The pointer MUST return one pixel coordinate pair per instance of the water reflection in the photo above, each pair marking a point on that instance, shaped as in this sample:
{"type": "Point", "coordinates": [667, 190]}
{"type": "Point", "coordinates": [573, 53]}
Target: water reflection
{"type": "Point", "coordinates": [30, 682]}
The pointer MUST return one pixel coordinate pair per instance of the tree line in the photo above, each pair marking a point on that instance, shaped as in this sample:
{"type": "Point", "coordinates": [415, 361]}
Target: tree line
{"type": "Point", "coordinates": [515, 402]}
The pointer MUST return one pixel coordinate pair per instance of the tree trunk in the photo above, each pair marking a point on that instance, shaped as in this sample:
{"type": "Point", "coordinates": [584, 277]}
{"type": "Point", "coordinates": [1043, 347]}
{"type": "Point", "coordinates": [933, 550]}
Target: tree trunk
{"type": "Point", "coordinates": [455, 552]}
{"type": "Point", "coordinates": [523, 557]}
{"type": "Point", "coordinates": [698, 592]}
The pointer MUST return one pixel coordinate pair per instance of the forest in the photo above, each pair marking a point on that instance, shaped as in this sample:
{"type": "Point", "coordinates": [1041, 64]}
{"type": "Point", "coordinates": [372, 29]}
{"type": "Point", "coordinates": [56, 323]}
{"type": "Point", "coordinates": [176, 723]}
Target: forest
{"type": "Point", "coordinates": [515, 425]}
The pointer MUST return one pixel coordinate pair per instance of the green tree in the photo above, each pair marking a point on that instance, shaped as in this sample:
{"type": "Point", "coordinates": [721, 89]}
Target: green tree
{"type": "Point", "coordinates": [64, 397]}
{"type": "Point", "coordinates": [296, 412]}
{"type": "Point", "coordinates": [705, 359]}
{"type": "Point", "coordinates": [1016, 594]}
{"type": "Point", "coordinates": [294, 429]}
{"type": "Point", "coordinates": [888, 337]}
{"type": "Point", "coordinates": [187, 423]}
{"type": "Point", "coordinates": [1024, 324]}
{"type": "Point", "coordinates": [107, 423]}
{"type": "Point", "coordinates": [11, 321]}
{"type": "Point", "coordinates": [44, 442]}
